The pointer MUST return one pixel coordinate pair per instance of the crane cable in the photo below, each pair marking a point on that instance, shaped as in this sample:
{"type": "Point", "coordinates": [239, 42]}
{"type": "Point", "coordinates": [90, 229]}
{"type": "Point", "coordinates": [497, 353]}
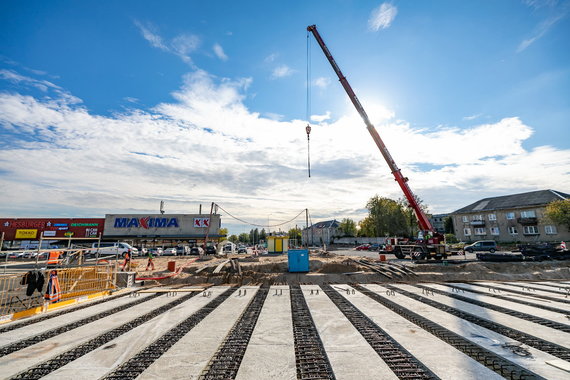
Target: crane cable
{"type": "Point", "coordinates": [308, 110]}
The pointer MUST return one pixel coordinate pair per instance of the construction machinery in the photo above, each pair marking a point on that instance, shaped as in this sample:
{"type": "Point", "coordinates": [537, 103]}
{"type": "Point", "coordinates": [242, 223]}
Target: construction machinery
{"type": "Point", "coordinates": [430, 243]}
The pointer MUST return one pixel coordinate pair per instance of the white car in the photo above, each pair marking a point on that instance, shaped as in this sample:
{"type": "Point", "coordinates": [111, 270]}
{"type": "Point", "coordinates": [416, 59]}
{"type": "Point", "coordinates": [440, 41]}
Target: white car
{"type": "Point", "coordinates": [169, 252]}
{"type": "Point", "coordinates": [112, 248]}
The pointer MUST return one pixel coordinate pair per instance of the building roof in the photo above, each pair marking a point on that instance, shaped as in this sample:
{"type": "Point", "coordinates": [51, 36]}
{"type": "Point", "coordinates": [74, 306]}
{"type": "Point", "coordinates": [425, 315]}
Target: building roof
{"type": "Point", "coordinates": [533, 198]}
{"type": "Point", "coordinates": [326, 224]}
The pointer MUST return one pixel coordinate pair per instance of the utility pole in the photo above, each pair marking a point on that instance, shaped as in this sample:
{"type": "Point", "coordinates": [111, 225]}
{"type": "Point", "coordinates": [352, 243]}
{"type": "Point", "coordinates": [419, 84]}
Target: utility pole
{"type": "Point", "coordinates": [307, 224]}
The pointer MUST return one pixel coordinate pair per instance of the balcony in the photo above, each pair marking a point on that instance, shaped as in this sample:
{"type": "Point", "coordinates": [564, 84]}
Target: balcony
{"type": "Point", "coordinates": [478, 223]}
{"type": "Point", "coordinates": [527, 221]}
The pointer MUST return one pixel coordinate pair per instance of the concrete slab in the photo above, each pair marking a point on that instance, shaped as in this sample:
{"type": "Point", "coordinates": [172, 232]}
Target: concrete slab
{"type": "Point", "coordinates": [491, 340]}
{"type": "Point", "coordinates": [63, 320]}
{"type": "Point", "coordinates": [530, 294]}
{"type": "Point", "coordinates": [270, 353]}
{"type": "Point", "coordinates": [515, 297]}
{"type": "Point", "coordinates": [190, 355]}
{"type": "Point", "coordinates": [103, 360]}
{"type": "Point", "coordinates": [546, 314]}
{"type": "Point", "coordinates": [420, 343]}
{"type": "Point", "coordinates": [351, 357]}
{"type": "Point", "coordinates": [28, 357]}
{"type": "Point", "coordinates": [548, 286]}
{"type": "Point", "coordinates": [540, 331]}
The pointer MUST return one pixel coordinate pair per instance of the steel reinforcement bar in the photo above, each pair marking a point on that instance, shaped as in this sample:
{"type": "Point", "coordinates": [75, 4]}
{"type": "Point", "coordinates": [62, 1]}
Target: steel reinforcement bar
{"type": "Point", "coordinates": [520, 292]}
{"type": "Point", "coordinates": [19, 345]}
{"type": "Point", "coordinates": [14, 326]}
{"type": "Point", "coordinates": [311, 359]}
{"type": "Point", "coordinates": [401, 361]}
{"type": "Point", "coordinates": [226, 361]}
{"type": "Point", "coordinates": [530, 340]}
{"type": "Point", "coordinates": [518, 314]}
{"type": "Point", "coordinates": [59, 361]}
{"type": "Point", "coordinates": [141, 361]}
{"type": "Point", "coordinates": [561, 286]}
{"type": "Point", "coordinates": [489, 359]}
{"type": "Point", "coordinates": [517, 300]}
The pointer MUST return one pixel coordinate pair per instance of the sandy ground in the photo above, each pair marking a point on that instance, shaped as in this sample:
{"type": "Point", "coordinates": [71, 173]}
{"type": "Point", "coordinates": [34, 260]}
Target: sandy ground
{"type": "Point", "coordinates": [339, 267]}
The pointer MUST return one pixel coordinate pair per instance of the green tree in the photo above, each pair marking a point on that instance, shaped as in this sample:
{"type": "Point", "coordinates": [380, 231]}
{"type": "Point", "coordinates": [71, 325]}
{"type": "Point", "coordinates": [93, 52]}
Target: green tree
{"type": "Point", "coordinates": [262, 235]}
{"type": "Point", "coordinates": [233, 238]}
{"type": "Point", "coordinates": [559, 212]}
{"type": "Point", "coordinates": [295, 235]}
{"type": "Point", "coordinates": [223, 232]}
{"type": "Point", "coordinates": [448, 225]}
{"type": "Point", "coordinates": [243, 238]}
{"type": "Point", "coordinates": [347, 227]}
{"type": "Point", "coordinates": [388, 217]}
{"type": "Point", "coordinates": [411, 219]}
{"type": "Point", "coordinates": [366, 227]}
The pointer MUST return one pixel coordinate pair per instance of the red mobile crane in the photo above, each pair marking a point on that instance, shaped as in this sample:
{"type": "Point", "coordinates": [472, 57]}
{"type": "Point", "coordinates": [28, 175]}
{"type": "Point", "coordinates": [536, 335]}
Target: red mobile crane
{"type": "Point", "coordinates": [432, 245]}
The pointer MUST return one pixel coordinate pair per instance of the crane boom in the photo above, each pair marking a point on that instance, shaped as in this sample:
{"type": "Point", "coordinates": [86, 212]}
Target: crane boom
{"type": "Point", "coordinates": [423, 220]}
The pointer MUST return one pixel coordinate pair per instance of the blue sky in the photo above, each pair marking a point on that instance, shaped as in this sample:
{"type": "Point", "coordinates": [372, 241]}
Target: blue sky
{"type": "Point", "coordinates": [114, 106]}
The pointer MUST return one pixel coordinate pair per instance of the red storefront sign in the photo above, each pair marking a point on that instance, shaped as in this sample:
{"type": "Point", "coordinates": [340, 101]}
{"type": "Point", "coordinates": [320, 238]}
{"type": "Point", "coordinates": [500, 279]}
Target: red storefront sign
{"type": "Point", "coordinates": [51, 228]}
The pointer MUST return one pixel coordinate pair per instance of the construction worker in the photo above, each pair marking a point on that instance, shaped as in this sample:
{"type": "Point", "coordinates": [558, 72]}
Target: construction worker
{"type": "Point", "coordinates": [150, 257]}
{"type": "Point", "coordinates": [53, 290]}
{"type": "Point", "coordinates": [127, 262]}
{"type": "Point", "coordinates": [53, 259]}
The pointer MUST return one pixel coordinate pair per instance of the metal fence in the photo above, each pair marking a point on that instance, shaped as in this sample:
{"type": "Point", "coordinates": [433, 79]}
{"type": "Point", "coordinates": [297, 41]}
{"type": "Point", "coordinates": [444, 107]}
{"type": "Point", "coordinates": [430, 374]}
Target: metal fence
{"type": "Point", "coordinates": [17, 296]}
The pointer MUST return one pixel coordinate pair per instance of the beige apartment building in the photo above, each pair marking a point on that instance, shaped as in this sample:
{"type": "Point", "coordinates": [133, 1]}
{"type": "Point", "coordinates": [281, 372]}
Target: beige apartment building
{"type": "Point", "coordinates": [510, 218]}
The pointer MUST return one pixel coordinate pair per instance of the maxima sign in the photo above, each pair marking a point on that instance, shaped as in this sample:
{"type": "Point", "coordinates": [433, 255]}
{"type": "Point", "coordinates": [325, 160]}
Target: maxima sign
{"type": "Point", "coordinates": [159, 225]}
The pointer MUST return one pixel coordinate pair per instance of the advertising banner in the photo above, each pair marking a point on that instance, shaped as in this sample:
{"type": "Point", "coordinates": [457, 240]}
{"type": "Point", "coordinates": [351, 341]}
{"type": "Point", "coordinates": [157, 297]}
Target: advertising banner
{"type": "Point", "coordinates": [160, 225]}
{"type": "Point", "coordinates": [50, 228]}
{"type": "Point", "coordinates": [26, 234]}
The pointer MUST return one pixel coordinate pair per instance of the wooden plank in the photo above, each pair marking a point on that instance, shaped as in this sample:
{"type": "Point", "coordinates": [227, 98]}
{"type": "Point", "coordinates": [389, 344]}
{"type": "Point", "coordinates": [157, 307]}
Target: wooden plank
{"type": "Point", "coordinates": [206, 266]}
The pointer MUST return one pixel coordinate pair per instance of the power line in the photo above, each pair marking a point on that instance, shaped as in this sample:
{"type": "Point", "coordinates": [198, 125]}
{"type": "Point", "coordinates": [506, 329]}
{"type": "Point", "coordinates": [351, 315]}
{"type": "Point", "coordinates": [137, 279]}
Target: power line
{"type": "Point", "coordinates": [259, 225]}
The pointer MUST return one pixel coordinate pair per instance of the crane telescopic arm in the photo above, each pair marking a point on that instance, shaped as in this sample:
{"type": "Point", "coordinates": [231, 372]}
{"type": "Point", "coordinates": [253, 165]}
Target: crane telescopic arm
{"type": "Point", "coordinates": [423, 221]}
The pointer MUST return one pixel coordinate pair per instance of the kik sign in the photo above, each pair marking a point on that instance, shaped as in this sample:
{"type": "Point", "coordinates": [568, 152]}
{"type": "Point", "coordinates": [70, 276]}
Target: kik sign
{"type": "Point", "coordinates": [201, 222]}
{"type": "Point", "coordinates": [146, 222]}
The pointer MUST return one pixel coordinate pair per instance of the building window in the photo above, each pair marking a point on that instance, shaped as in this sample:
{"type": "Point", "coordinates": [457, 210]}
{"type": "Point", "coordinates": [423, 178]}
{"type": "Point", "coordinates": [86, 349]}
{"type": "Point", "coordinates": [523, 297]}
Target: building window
{"type": "Point", "coordinates": [465, 219]}
{"type": "Point", "coordinates": [492, 217]}
{"type": "Point", "coordinates": [550, 230]}
{"type": "Point", "coordinates": [528, 214]}
{"type": "Point", "coordinates": [477, 217]}
{"type": "Point", "coordinates": [530, 230]}
{"type": "Point", "coordinates": [480, 231]}
{"type": "Point", "coordinates": [513, 231]}
{"type": "Point", "coordinates": [494, 230]}
{"type": "Point", "coordinates": [467, 231]}
{"type": "Point", "coordinates": [510, 215]}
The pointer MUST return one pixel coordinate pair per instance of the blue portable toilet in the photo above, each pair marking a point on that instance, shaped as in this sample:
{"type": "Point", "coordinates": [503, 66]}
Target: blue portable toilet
{"type": "Point", "coordinates": [298, 260]}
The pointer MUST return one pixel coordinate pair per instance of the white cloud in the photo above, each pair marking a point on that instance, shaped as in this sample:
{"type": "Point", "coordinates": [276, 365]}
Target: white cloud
{"type": "Point", "coordinates": [382, 17]}
{"type": "Point", "coordinates": [219, 51]}
{"type": "Point", "coordinates": [555, 14]}
{"type": "Point", "coordinates": [282, 71]}
{"type": "Point", "coordinates": [181, 45]}
{"type": "Point", "coordinates": [322, 82]}
{"type": "Point", "coordinates": [321, 118]}
{"type": "Point", "coordinates": [472, 117]}
{"type": "Point", "coordinates": [206, 145]}
{"type": "Point", "coordinates": [271, 57]}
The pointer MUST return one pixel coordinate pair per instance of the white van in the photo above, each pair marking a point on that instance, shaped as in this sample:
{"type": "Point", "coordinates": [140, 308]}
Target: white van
{"type": "Point", "coordinates": [112, 248]}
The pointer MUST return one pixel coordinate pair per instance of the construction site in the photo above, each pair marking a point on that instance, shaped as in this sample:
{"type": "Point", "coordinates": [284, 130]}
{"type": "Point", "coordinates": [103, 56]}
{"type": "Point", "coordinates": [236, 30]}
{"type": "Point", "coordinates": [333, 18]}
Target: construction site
{"type": "Point", "coordinates": [415, 309]}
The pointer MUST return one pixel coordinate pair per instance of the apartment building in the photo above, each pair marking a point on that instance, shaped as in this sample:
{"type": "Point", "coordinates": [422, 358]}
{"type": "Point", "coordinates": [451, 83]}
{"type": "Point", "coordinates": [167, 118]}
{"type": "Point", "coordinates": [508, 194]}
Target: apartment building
{"type": "Point", "coordinates": [510, 218]}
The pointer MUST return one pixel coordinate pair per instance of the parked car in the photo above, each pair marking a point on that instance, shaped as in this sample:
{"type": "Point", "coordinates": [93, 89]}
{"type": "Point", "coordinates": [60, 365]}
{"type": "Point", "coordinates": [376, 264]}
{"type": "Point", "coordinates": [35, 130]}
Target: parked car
{"type": "Point", "coordinates": [242, 249]}
{"type": "Point", "coordinates": [210, 250]}
{"type": "Point", "coordinates": [375, 247]}
{"type": "Point", "coordinates": [181, 251]}
{"type": "Point", "coordinates": [112, 248]}
{"type": "Point", "coordinates": [169, 252]}
{"type": "Point", "coordinates": [481, 245]}
{"type": "Point", "coordinates": [195, 250]}
{"type": "Point", "coordinates": [363, 247]}
{"type": "Point", "coordinates": [156, 251]}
